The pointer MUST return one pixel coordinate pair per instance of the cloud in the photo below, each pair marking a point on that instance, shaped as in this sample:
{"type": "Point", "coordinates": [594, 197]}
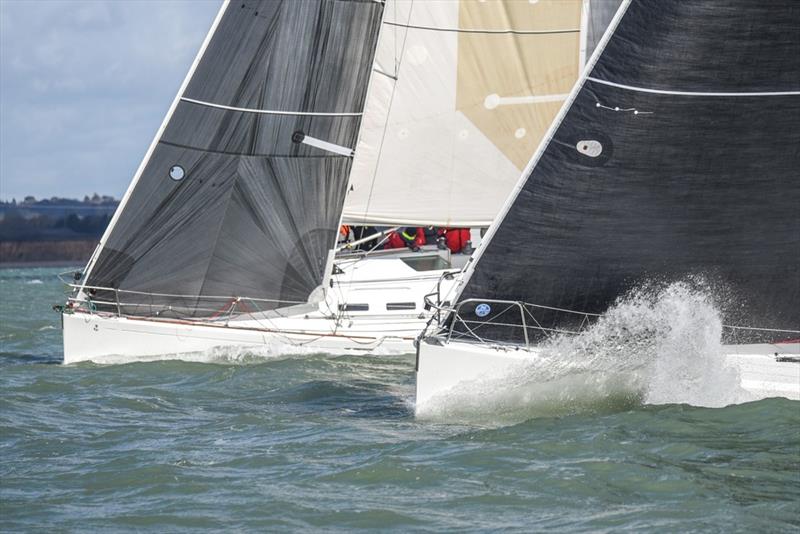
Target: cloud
{"type": "Point", "coordinates": [84, 85]}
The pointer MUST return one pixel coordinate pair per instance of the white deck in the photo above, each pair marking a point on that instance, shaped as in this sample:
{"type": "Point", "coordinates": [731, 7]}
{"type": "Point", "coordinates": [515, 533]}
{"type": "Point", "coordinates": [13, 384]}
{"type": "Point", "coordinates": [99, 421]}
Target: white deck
{"type": "Point", "coordinates": [379, 283]}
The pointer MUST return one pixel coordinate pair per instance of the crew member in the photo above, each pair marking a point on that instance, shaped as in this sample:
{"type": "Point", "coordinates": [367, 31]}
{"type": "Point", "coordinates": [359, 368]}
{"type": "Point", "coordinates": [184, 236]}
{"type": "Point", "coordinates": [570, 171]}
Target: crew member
{"type": "Point", "coordinates": [412, 237]}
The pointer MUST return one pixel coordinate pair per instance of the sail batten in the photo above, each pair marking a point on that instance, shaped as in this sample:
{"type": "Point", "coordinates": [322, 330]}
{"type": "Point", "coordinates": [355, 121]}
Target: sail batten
{"type": "Point", "coordinates": [274, 111]}
{"type": "Point", "coordinates": [481, 30]}
{"type": "Point", "coordinates": [692, 93]}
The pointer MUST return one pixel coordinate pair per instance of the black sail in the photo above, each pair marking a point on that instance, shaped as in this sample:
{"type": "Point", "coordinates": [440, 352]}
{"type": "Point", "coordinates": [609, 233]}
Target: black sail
{"type": "Point", "coordinates": [678, 159]}
{"type": "Point", "coordinates": [231, 202]}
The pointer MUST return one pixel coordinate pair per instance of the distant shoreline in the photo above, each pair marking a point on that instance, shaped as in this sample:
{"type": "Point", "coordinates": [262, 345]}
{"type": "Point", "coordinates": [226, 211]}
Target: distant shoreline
{"type": "Point", "coordinates": [47, 263]}
{"type": "Point", "coordinates": [15, 254]}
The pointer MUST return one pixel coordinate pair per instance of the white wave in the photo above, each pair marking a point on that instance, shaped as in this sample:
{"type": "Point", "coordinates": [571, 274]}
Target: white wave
{"type": "Point", "coordinates": [225, 354]}
{"type": "Point", "coordinates": [653, 347]}
{"type": "Point", "coordinates": [34, 281]}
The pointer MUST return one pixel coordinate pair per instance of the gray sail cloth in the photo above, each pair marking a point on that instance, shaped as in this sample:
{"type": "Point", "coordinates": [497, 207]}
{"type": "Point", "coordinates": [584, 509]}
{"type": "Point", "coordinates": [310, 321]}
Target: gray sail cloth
{"type": "Point", "coordinates": [601, 12]}
{"type": "Point", "coordinates": [256, 212]}
{"type": "Point", "coordinates": [649, 184]}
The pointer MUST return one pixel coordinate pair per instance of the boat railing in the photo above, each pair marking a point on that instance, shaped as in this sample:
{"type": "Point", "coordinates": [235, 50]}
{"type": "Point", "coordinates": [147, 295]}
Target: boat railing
{"type": "Point", "coordinates": [452, 324]}
{"type": "Point", "coordinates": [200, 308]}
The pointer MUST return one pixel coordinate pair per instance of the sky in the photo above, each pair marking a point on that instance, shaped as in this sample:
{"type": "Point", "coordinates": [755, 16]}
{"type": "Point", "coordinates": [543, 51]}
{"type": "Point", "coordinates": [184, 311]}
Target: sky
{"type": "Point", "coordinates": [84, 86]}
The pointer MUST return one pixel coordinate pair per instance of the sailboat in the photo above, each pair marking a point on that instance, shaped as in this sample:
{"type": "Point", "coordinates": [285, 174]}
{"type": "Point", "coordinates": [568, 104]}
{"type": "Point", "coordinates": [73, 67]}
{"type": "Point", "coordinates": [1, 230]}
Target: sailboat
{"type": "Point", "coordinates": [674, 160]}
{"type": "Point", "coordinates": [295, 117]}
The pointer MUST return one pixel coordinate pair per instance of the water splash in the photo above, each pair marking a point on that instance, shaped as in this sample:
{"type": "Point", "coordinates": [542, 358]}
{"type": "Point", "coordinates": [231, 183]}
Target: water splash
{"type": "Point", "coordinates": [657, 345]}
{"type": "Point", "coordinates": [224, 354]}
{"type": "Point", "coordinates": [273, 349]}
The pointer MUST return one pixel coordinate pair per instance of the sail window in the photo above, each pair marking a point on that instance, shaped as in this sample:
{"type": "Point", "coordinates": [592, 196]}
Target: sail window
{"type": "Point", "coordinates": [589, 148]}
{"type": "Point", "coordinates": [177, 173]}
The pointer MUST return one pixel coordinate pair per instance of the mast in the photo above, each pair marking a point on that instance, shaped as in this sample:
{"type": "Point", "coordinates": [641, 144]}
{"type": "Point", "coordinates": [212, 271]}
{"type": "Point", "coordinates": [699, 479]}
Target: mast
{"type": "Point", "coordinates": [663, 166]}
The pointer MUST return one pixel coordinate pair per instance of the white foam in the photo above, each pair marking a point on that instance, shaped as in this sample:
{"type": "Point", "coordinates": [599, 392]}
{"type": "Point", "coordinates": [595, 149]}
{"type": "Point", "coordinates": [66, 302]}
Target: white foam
{"type": "Point", "coordinates": [657, 346]}
{"type": "Point", "coordinates": [220, 355]}
{"type": "Point", "coordinates": [243, 354]}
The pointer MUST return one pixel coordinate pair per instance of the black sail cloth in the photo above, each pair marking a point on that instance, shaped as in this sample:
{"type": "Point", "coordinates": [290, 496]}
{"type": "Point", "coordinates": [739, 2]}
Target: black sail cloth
{"type": "Point", "coordinates": [255, 213]}
{"type": "Point", "coordinates": [679, 158]}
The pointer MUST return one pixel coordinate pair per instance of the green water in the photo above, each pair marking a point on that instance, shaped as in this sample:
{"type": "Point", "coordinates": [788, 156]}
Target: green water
{"type": "Point", "coordinates": [256, 443]}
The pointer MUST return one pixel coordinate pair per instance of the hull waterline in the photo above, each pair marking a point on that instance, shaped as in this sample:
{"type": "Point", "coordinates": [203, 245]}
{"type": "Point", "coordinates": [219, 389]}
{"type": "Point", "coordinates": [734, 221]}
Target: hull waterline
{"type": "Point", "coordinates": [375, 305]}
{"type": "Point", "coordinates": [104, 339]}
{"type": "Point", "coordinates": [764, 370]}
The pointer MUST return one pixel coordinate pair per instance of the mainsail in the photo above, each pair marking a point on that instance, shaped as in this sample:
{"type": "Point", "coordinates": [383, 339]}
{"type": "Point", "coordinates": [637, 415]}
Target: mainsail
{"type": "Point", "coordinates": [462, 93]}
{"type": "Point", "coordinates": [677, 157]}
{"type": "Point", "coordinates": [242, 189]}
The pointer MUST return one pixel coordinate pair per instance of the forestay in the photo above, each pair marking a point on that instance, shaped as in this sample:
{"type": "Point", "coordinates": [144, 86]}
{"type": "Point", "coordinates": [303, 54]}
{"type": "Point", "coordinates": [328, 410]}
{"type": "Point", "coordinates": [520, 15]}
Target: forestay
{"type": "Point", "coordinates": [461, 96]}
{"type": "Point", "coordinates": [678, 159]}
{"type": "Point", "coordinates": [242, 190]}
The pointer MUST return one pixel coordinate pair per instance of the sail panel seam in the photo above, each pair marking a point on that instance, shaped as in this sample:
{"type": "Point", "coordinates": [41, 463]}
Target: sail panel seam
{"type": "Point", "coordinates": [272, 111]}
{"type": "Point", "coordinates": [692, 93]}
{"type": "Point", "coordinates": [243, 154]}
{"type": "Point", "coordinates": [483, 30]}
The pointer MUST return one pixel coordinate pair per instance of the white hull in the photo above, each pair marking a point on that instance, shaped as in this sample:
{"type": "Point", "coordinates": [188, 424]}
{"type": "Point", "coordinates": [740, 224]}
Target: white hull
{"type": "Point", "coordinates": [93, 337]}
{"type": "Point", "coordinates": [443, 368]}
{"type": "Point", "coordinates": [378, 284]}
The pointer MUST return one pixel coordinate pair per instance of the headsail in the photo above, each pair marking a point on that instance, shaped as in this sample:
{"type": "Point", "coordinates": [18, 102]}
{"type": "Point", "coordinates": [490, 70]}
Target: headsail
{"type": "Point", "coordinates": [462, 93]}
{"type": "Point", "coordinates": [242, 190]}
{"type": "Point", "coordinates": [678, 157]}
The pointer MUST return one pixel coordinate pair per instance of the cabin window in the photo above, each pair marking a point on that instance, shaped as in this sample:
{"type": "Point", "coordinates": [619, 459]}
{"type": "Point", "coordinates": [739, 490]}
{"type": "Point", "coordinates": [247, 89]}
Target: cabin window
{"type": "Point", "coordinates": [354, 307]}
{"type": "Point", "coordinates": [393, 306]}
{"type": "Point", "coordinates": [426, 263]}
{"type": "Point", "coordinates": [177, 173]}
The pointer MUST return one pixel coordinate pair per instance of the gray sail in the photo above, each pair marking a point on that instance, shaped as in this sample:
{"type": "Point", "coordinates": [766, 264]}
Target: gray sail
{"type": "Point", "coordinates": [600, 13]}
{"type": "Point", "coordinates": [678, 159]}
{"type": "Point", "coordinates": [243, 191]}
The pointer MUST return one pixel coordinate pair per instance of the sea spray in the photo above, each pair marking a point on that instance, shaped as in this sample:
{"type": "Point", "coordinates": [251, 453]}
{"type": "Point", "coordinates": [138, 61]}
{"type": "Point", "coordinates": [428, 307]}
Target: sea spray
{"type": "Point", "coordinates": [223, 354]}
{"type": "Point", "coordinates": [656, 345]}
{"type": "Point", "coordinates": [271, 349]}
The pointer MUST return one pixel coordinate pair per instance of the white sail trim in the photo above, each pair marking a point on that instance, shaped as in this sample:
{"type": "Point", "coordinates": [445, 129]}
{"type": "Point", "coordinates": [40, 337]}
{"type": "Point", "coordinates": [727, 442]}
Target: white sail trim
{"type": "Point", "coordinates": [693, 93]}
{"type": "Point", "coordinates": [271, 111]}
{"type": "Point", "coordinates": [153, 144]}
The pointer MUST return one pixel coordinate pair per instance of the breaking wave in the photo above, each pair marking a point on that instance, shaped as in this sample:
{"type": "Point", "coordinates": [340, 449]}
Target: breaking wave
{"type": "Point", "coordinates": [247, 354]}
{"type": "Point", "coordinates": [655, 346]}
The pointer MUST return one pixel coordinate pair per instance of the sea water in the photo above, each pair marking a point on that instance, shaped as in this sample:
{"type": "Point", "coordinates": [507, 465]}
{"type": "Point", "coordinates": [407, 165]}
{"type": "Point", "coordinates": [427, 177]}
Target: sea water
{"type": "Point", "coordinates": [632, 426]}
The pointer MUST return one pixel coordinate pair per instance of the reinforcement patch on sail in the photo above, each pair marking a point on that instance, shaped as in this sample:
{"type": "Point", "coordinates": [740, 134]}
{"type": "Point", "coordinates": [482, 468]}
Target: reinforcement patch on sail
{"type": "Point", "coordinates": [678, 159]}
{"type": "Point", "coordinates": [232, 202]}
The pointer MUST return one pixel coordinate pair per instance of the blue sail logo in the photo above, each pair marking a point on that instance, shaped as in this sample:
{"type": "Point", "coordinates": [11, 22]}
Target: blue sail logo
{"type": "Point", "coordinates": [482, 310]}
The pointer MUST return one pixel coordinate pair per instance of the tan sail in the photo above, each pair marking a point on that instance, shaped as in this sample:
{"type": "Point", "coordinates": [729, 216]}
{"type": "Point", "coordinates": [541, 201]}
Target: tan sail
{"type": "Point", "coordinates": [461, 95]}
